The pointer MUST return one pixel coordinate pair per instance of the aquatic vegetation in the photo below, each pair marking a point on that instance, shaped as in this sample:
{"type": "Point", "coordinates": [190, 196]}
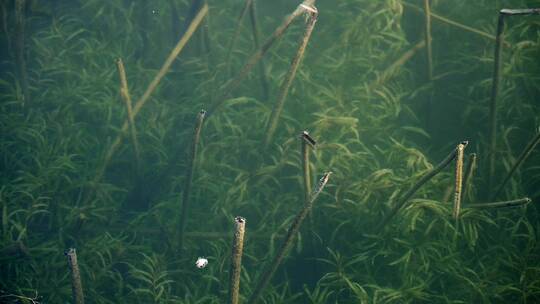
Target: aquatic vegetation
{"type": "Point", "coordinates": [101, 147]}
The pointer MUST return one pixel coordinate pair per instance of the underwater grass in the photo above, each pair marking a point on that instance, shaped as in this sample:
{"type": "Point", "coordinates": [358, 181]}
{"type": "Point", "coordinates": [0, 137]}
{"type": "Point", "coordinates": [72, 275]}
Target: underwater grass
{"type": "Point", "coordinates": [374, 142]}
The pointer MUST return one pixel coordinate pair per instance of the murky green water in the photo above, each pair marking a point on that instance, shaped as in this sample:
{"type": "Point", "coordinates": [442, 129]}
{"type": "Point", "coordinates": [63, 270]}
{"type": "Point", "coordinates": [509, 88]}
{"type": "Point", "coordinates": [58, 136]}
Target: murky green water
{"type": "Point", "coordinates": [146, 187]}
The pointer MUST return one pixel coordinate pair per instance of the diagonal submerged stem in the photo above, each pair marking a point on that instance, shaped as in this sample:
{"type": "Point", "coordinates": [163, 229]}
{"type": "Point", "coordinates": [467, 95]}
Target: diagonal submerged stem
{"type": "Point", "coordinates": [287, 82]}
{"type": "Point", "coordinates": [151, 87]}
{"type": "Point", "coordinates": [255, 57]}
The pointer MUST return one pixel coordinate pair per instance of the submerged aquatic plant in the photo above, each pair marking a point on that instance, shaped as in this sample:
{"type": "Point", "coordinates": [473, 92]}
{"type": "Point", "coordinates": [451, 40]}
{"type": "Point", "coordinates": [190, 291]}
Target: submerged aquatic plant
{"type": "Point", "coordinates": [361, 91]}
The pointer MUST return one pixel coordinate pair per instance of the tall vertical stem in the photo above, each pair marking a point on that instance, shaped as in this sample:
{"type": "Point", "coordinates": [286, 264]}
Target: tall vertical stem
{"type": "Point", "coordinates": [255, 31]}
{"type": "Point", "coordinates": [289, 77]}
{"type": "Point", "coordinates": [429, 52]}
{"type": "Point", "coordinates": [493, 103]}
{"type": "Point", "coordinates": [458, 179]}
{"type": "Point", "coordinates": [76, 285]}
{"type": "Point", "coordinates": [236, 263]}
{"type": "Point", "coordinates": [19, 49]}
{"type": "Point", "coordinates": [188, 179]}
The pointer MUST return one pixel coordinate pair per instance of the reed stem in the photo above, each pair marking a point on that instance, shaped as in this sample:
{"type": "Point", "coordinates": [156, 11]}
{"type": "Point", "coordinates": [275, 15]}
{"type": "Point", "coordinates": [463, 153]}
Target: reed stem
{"type": "Point", "coordinates": [424, 179]}
{"type": "Point", "coordinates": [512, 203]}
{"type": "Point", "coordinates": [188, 179]}
{"type": "Point", "coordinates": [493, 100]}
{"type": "Point", "coordinates": [255, 31]}
{"type": "Point", "coordinates": [458, 179]}
{"type": "Point", "coordinates": [469, 172]}
{"type": "Point", "coordinates": [20, 22]}
{"type": "Point", "coordinates": [288, 241]}
{"type": "Point", "coordinates": [151, 87]}
{"type": "Point", "coordinates": [429, 51]}
{"type": "Point", "coordinates": [76, 285]}
{"type": "Point", "coordinates": [522, 157]}
{"type": "Point", "coordinates": [236, 264]}
{"type": "Point", "coordinates": [307, 141]}
{"type": "Point", "coordinates": [289, 77]}
{"type": "Point", "coordinates": [255, 57]}
{"type": "Point", "coordinates": [126, 97]}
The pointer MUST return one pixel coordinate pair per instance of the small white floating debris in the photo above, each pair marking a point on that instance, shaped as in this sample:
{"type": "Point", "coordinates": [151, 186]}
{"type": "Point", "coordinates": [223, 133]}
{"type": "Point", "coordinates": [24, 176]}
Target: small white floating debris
{"type": "Point", "coordinates": [201, 263]}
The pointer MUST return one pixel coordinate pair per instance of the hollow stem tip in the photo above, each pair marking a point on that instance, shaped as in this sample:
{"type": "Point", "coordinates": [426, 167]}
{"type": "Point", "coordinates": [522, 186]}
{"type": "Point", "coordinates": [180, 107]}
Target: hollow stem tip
{"type": "Point", "coordinates": [517, 12]}
{"type": "Point", "coordinates": [76, 285]}
{"type": "Point", "coordinates": [308, 139]}
{"type": "Point", "coordinates": [236, 263]}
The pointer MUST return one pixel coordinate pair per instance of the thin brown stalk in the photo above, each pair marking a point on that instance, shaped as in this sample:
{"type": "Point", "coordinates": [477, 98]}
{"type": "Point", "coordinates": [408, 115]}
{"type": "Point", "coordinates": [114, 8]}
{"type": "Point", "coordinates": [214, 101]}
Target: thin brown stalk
{"type": "Point", "coordinates": [288, 241]}
{"type": "Point", "coordinates": [522, 157]}
{"type": "Point", "coordinates": [424, 179]}
{"type": "Point", "coordinates": [76, 284]}
{"type": "Point", "coordinates": [151, 87]}
{"type": "Point", "coordinates": [458, 179]}
{"type": "Point", "coordinates": [469, 172]}
{"type": "Point", "coordinates": [427, 28]}
{"type": "Point", "coordinates": [291, 74]}
{"type": "Point", "coordinates": [236, 263]}
{"type": "Point", "coordinates": [126, 97]}
{"type": "Point", "coordinates": [254, 59]}
{"type": "Point", "coordinates": [188, 179]}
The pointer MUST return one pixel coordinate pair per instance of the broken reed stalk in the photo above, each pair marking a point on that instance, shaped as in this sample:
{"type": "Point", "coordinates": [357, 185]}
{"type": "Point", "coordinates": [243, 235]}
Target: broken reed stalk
{"type": "Point", "coordinates": [429, 50]}
{"type": "Point", "coordinates": [288, 241]}
{"type": "Point", "coordinates": [19, 49]}
{"type": "Point", "coordinates": [255, 57]}
{"type": "Point", "coordinates": [453, 23]}
{"type": "Point", "coordinates": [126, 97]}
{"type": "Point", "coordinates": [255, 31]}
{"type": "Point", "coordinates": [76, 285]}
{"type": "Point", "coordinates": [458, 179]}
{"type": "Point", "coordinates": [512, 203]}
{"type": "Point", "coordinates": [291, 74]}
{"type": "Point", "coordinates": [236, 263]}
{"type": "Point", "coordinates": [522, 157]}
{"type": "Point", "coordinates": [392, 69]}
{"type": "Point", "coordinates": [188, 179]}
{"type": "Point", "coordinates": [151, 87]}
{"type": "Point", "coordinates": [424, 179]}
{"type": "Point", "coordinates": [496, 82]}
{"type": "Point", "coordinates": [469, 171]}
{"type": "Point", "coordinates": [307, 142]}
